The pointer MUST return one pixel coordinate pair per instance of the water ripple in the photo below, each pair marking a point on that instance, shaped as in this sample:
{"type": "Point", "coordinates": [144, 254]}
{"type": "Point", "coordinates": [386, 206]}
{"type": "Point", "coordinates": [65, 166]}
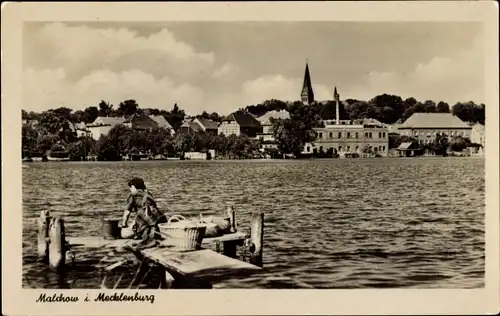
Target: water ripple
{"type": "Point", "coordinates": [362, 223]}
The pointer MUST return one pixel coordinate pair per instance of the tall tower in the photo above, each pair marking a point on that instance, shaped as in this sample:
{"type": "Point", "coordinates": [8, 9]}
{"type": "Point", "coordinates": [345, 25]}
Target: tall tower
{"type": "Point", "coordinates": [307, 94]}
{"type": "Point", "coordinates": [336, 98]}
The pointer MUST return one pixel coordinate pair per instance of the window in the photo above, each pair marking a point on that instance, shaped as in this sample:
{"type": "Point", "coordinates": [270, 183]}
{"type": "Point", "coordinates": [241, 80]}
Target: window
{"type": "Point", "coordinates": [357, 148]}
{"type": "Point", "coordinates": [383, 148]}
{"type": "Point", "coordinates": [348, 135]}
{"type": "Point", "coordinates": [375, 149]}
{"type": "Point", "coordinates": [308, 149]}
{"type": "Point", "coordinates": [383, 134]}
{"type": "Point", "coordinates": [379, 148]}
{"type": "Point", "coordinates": [331, 135]}
{"type": "Point", "coordinates": [340, 134]}
{"type": "Point", "coordinates": [320, 135]}
{"type": "Point", "coordinates": [340, 148]}
{"type": "Point", "coordinates": [357, 135]}
{"type": "Point", "coordinates": [379, 135]}
{"type": "Point", "coordinates": [370, 135]}
{"type": "Point", "coordinates": [366, 134]}
{"type": "Point", "coordinates": [348, 148]}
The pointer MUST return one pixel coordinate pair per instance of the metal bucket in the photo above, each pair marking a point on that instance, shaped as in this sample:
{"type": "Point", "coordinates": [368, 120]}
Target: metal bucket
{"type": "Point", "coordinates": [111, 229]}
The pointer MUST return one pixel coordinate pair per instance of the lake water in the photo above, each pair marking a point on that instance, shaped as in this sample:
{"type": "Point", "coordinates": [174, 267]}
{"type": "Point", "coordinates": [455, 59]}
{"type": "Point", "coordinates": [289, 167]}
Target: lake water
{"type": "Point", "coordinates": [338, 223]}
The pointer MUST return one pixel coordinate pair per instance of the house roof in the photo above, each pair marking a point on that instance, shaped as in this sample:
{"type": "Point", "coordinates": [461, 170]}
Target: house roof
{"type": "Point", "coordinates": [141, 121]}
{"type": "Point", "coordinates": [162, 122]}
{"type": "Point", "coordinates": [265, 119]}
{"type": "Point", "coordinates": [80, 126]}
{"type": "Point", "coordinates": [192, 125]}
{"type": "Point", "coordinates": [207, 123]}
{"type": "Point", "coordinates": [404, 146]}
{"type": "Point", "coordinates": [243, 119]}
{"type": "Point", "coordinates": [433, 120]}
{"type": "Point", "coordinates": [104, 120]}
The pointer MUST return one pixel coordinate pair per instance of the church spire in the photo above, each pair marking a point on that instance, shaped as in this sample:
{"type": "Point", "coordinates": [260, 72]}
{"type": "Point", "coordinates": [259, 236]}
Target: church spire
{"type": "Point", "coordinates": [307, 94]}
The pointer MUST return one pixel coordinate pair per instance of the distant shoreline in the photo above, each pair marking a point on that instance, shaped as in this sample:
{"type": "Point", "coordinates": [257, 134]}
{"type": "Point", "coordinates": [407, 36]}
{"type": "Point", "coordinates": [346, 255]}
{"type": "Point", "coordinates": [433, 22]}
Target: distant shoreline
{"type": "Point", "coordinates": [235, 160]}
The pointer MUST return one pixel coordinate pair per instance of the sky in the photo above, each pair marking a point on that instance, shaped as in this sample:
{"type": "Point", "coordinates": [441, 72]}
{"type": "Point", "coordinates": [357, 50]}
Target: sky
{"type": "Point", "coordinates": [224, 66]}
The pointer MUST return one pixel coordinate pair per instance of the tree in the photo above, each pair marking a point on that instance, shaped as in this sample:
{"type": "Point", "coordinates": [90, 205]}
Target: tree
{"type": "Point", "coordinates": [46, 142]}
{"type": "Point", "coordinates": [459, 143]}
{"type": "Point", "coordinates": [356, 110]}
{"type": "Point", "coordinates": [409, 102]}
{"type": "Point", "coordinates": [175, 117]}
{"type": "Point", "coordinates": [119, 136]}
{"type": "Point", "coordinates": [395, 140]}
{"type": "Point", "coordinates": [127, 108]}
{"type": "Point", "coordinates": [440, 144]}
{"type": "Point", "coordinates": [63, 112]}
{"type": "Point", "coordinates": [443, 107]}
{"type": "Point", "coordinates": [105, 108]}
{"type": "Point", "coordinates": [28, 140]}
{"type": "Point", "coordinates": [430, 106]}
{"type": "Point", "coordinates": [106, 150]}
{"type": "Point", "coordinates": [51, 123]}
{"type": "Point", "coordinates": [389, 107]}
{"type": "Point", "coordinates": [90, 114]}
{"type": "Point", "coordinates": [469, 112]}
{"type": "Point", "coordinates": [77, 117]}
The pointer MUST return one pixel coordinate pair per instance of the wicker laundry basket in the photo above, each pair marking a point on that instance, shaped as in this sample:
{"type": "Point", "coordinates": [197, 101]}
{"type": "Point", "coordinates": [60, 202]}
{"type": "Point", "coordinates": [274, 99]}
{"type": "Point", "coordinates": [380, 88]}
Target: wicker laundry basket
{"type": "Point", "coordinates": [182, 234]}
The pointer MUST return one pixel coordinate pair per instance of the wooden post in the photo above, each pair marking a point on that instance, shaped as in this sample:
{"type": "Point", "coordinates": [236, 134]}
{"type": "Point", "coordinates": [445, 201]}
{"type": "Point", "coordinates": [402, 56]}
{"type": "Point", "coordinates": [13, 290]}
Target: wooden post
{"type": "Point", "coordinates": [257, 238]}
{"type": "Point", "coordinates": [167, 279]}
{"type": "Point", "coordinates": [57, 245]}
{"type": "Point", "coordinates": [43, 235]}
{"type": "Point", "coordinates": [232, 218]}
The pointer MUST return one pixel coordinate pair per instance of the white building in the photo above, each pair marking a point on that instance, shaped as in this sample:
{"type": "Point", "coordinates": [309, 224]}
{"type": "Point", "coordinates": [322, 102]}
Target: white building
{"type": "Point", "coordinates": [267, 136]}
{"type": "Point", "coordinates": [351, 136]}
{"type": "Point", "coordinates": [477, 134]}
{"type": "Point", "coordinates": [102, 126]}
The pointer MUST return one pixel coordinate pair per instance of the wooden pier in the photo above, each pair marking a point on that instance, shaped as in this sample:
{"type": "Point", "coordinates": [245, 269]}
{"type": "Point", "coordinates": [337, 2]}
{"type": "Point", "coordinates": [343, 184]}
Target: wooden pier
{"type": "Point", "coordinates": [208, 267]}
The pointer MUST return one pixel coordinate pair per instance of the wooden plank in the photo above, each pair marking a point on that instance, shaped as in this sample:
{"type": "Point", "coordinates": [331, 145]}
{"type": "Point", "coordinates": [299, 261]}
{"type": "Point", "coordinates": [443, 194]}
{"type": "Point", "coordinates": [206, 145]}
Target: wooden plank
{"type": "Point", "coordinates": [100, 242]}
{"type": "Point", "coordinates": [205, 264]}
{"type": "Point", "coordinates": [228, 237]}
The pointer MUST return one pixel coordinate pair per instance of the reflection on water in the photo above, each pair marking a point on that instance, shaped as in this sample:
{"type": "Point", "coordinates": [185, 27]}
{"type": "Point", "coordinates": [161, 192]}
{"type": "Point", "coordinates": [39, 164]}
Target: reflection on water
{"type": "Point", "coordinates": [342, 223]}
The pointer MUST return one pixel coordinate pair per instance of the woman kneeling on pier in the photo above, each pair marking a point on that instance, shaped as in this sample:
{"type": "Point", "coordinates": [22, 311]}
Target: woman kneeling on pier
{"type": "Point", "coordinates": [141, 201]}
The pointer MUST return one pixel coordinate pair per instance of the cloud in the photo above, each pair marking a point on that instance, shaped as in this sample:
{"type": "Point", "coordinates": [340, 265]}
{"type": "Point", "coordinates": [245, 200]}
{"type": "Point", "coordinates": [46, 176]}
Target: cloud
{"type": "Point", "coordinates": [282, 88]}
{"type": "Point", "coordinates": [459, 77]}
{"type": "Point", "coordinates": [80, 49]}
{"type": "Point", "coordinates": [224, 71]}
{"type": "Point", "coordinates": [49, 88]}
{"type": "Point", "coordinates": [77, 66]}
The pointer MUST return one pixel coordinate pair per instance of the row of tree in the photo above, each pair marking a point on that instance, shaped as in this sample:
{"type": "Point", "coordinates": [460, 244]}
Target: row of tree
{"type": "Point", "coordinates": [386, 108]}
{"type": "Point", "coordinates": [126, 108]}
{"type": "Point", "coordinates": [122, 140]}
{"type": "Point", "coordinates": [54, 131]}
